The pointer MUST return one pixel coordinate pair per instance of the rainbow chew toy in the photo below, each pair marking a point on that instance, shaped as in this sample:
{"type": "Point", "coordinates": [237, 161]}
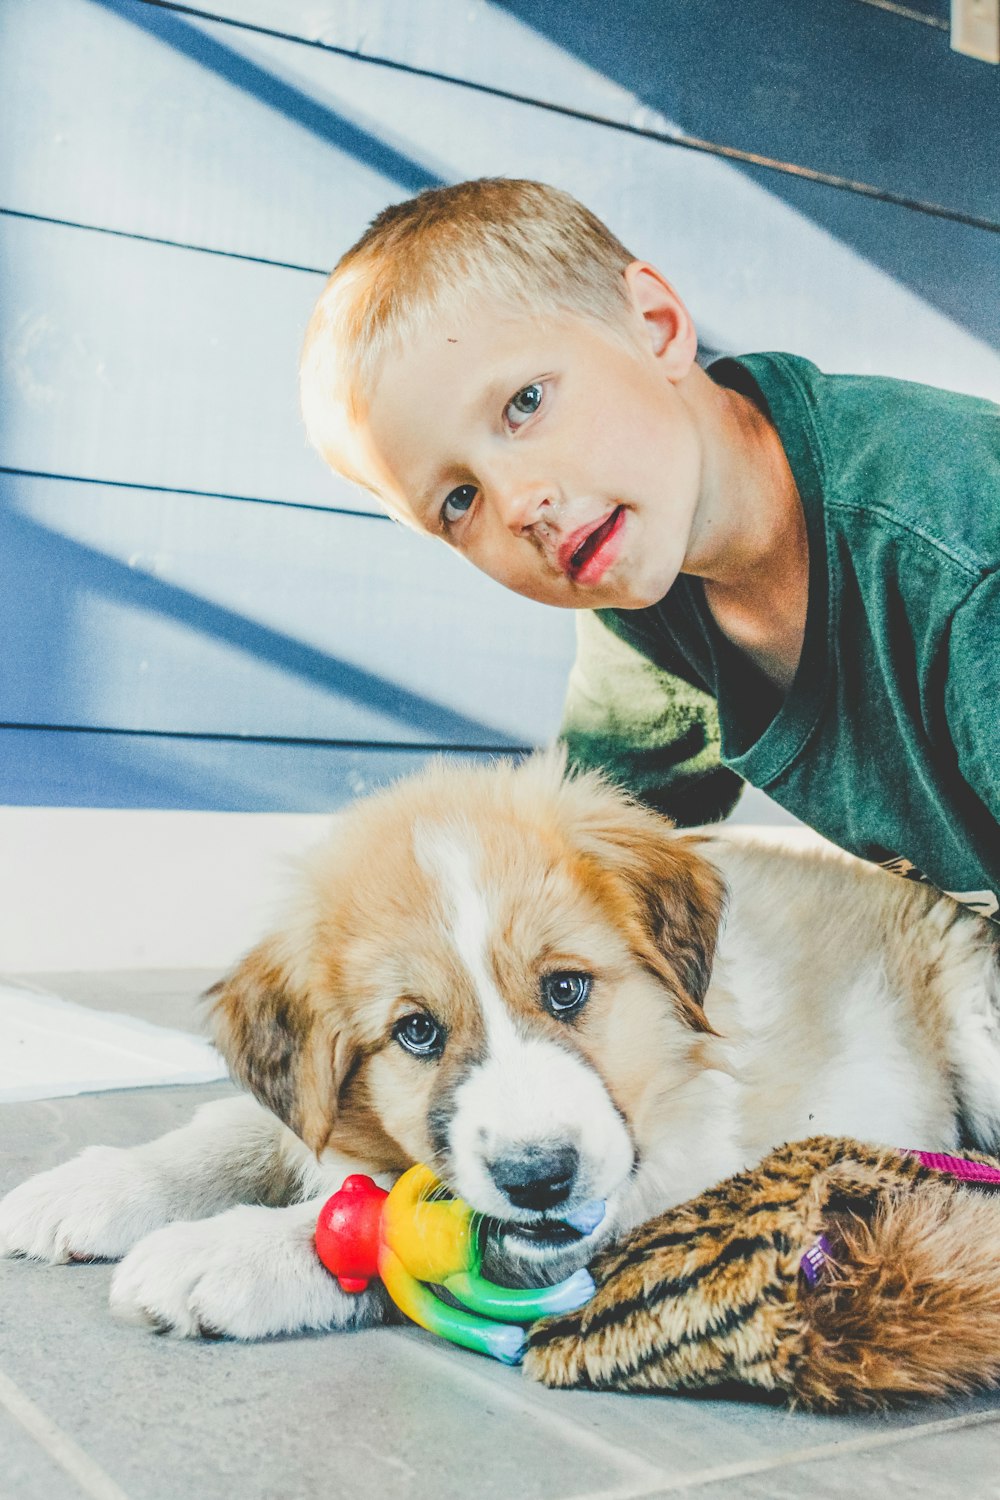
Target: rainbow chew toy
{"type": "Point", "coordinates": [413, 1238]}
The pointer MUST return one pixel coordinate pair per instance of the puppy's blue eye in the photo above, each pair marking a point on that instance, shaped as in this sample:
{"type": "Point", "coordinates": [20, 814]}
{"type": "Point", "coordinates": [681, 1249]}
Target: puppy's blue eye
{"type": "Point", "coordinates": [420, 1034]}
{"type": "Point", "coordinates": [458, 503]}
{"type": "Point", "coordinates": [565, 993]}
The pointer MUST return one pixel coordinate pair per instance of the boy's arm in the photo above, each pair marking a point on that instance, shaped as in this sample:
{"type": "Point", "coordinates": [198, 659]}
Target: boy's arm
{"type": "Point", "coordinates": [972, 695]}
{"type": "Point", "coordinates": [647, 729]}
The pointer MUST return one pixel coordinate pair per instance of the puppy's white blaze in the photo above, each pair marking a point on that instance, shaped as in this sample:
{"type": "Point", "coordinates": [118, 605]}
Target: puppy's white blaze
{"type": "Point", "coordinates": [535, 1095]}
{"type": "Point", "coordinates": [527, 1091]}
{"type": "Point", "coordinates": [439, 853]}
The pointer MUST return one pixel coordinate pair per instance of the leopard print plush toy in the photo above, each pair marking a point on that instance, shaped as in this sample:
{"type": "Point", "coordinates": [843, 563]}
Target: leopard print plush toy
{"type": "Point", "coordinates": [836, 1274]}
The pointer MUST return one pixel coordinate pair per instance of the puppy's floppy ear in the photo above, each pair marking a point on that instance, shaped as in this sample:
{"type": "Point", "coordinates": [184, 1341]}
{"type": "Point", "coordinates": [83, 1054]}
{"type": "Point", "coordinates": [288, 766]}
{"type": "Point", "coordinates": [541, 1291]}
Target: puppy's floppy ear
{"type": "Point", "coordinates": [684, 899]}
{"type": "Point", "coordinates": [677, 896]}
{"type": "Point", "coordinates": [286, 1051]}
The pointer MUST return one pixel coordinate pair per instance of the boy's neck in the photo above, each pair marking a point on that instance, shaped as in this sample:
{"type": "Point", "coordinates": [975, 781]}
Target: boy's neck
{"type": "Point", "coordinates": [749, 544]}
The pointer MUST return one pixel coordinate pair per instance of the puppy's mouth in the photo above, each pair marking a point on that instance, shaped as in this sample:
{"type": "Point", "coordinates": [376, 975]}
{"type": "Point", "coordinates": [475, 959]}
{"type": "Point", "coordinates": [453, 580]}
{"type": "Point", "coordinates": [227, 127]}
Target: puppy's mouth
{"type": "Point", "coordinates": [567, 1230]}
{"type": "Point", "coordinates": [539, 1239]}
{"type": "Point", "coordinates": [544, 1234]}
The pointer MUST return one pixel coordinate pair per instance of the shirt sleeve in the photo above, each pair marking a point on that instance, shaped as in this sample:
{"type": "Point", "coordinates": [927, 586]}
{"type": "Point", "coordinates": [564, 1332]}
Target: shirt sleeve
{"type": "Point", "coordinates": [650, 731]}
{"type": "Point", "coordinates": [972, 694]}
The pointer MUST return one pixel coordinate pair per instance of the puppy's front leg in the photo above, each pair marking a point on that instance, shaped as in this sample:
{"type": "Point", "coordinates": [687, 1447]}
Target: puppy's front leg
{"type": "Point", "coordinates": [245, 1274]}
{"type": "Point", "coordinates": [97, 1206]}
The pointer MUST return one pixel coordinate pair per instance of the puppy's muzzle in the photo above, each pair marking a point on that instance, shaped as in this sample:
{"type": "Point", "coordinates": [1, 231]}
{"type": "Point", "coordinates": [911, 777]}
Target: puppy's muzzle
{"type": "Point", "coordinates": [536, 1177]}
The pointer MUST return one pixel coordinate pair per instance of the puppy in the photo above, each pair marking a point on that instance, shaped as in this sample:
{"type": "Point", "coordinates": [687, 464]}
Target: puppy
{"type": "Point", "coordinates": [553, 998]}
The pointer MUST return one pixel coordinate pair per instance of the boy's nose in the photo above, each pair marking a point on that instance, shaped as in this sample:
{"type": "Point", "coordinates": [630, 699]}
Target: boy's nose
{"type": "Point", "coordinates": [522, 505]}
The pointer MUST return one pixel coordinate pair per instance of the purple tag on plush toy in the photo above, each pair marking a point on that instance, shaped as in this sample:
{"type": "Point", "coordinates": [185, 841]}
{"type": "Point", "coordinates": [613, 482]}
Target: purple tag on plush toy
{"type": "Point", "coordinates": [814, 1259]}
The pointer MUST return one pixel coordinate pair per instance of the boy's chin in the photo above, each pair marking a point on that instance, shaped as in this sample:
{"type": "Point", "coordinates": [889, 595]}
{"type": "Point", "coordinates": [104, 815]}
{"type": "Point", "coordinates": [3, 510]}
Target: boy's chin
{"type": "Point", "coordinates": [631, 592]}
{"type": "Point", "coordinates": [651, 590]}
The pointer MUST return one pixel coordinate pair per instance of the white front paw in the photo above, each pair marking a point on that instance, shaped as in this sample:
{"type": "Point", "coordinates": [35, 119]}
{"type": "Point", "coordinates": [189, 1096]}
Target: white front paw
{"type": "Point", "coordinates": [245, 1274]}
{"type": "Point", "coordinates": [95, 1207]}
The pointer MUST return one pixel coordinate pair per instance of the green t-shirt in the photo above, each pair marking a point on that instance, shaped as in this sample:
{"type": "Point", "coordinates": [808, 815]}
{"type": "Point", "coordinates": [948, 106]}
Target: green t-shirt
{"type": "Point", "coordinates": [888, 741]}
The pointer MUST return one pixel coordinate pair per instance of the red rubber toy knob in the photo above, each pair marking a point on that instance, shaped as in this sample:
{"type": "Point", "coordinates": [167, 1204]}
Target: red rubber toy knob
{"type": "Point", "coordinates": [347, 1232]}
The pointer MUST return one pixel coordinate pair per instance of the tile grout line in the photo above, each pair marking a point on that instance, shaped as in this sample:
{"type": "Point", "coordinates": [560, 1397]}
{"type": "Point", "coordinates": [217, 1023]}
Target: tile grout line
{"type": "Point", "coordinates": [647, 1477]}
{"type": "Point", "coordinates": [694, 1480]}
{"type": "Point", "coordinates": [61, 1448]}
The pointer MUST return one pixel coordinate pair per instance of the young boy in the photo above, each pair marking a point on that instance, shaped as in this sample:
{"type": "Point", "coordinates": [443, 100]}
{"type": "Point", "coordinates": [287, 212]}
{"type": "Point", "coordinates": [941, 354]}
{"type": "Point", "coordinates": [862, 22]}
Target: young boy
{"type": "Point", "coordinates": [784, 577]}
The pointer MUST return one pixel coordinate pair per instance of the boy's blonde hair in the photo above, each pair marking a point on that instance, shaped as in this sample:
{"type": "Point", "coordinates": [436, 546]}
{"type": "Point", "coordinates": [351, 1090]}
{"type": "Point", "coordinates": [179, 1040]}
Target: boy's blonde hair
{"type": "Point", "coordinates": [524, 245]}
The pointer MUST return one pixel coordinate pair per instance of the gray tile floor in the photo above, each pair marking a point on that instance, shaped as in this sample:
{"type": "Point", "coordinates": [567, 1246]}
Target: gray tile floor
{"type": "Point", "coordinates": [89, 1407]}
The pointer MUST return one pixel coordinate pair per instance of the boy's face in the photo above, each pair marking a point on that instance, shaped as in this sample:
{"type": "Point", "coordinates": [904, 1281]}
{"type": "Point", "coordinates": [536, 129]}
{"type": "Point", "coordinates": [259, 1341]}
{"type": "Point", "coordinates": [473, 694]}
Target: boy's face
{"type": "Point", "coordinates": [558, 459]}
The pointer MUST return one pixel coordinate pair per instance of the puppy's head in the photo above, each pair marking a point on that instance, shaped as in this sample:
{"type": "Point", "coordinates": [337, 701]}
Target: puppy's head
{"type": "Point", "coordinates": [499, 972]}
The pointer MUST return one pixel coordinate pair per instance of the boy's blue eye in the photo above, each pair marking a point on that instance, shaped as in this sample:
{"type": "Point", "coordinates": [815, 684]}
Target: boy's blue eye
{"type": "Point", "coordinates": [524, 405]}
{"type": "Point", "coordinates": [457, 503]}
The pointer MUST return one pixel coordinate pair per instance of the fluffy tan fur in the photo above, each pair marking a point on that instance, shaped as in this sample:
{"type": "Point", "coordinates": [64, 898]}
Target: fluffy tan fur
{"type": "Point", "coordinates": [578, 875]}
{"type": "Point", "coordinates": [740, 994]}
{"type": "Point", "coordinates": [912, 1307]}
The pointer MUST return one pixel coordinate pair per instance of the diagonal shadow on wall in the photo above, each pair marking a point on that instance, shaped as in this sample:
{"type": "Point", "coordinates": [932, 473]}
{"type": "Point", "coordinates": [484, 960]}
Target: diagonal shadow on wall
{"type": "Point", "coordinates": [839, 87]}
{"type": "Point", "coordinates": [263, 85]}
{"type": "Point", "coordinates": [36, 618]}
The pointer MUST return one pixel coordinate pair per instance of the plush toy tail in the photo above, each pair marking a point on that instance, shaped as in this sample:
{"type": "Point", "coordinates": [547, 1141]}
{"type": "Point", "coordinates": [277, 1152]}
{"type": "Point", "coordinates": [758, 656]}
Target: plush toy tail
{"type": "Point", "coordinates": [910, 1306]}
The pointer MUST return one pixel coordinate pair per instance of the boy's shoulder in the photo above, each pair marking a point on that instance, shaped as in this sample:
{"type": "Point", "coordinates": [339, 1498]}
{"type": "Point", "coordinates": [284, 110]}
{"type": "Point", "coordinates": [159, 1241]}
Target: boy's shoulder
{"type": "Point", "coordinates": [895, 452]}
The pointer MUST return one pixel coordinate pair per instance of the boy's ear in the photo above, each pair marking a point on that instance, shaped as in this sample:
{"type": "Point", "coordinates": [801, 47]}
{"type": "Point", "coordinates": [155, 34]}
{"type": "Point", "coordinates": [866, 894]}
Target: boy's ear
{"type": "Point", "coordinates": [666, 323]}
{"type": "Point", "coordinates": [287, 1051]}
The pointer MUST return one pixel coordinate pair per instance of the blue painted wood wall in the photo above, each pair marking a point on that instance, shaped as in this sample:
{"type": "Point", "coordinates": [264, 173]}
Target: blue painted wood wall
{"type": "Point", "coordinates": [194, 613]}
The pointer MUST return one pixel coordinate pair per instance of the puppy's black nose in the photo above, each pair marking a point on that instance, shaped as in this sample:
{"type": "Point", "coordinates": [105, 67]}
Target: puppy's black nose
{"type": "Point", "coordinates": [537, 1177]}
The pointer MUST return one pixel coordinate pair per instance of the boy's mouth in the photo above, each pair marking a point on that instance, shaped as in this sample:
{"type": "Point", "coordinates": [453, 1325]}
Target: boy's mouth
{"type": "Point", "coordinates": [588, 553]}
